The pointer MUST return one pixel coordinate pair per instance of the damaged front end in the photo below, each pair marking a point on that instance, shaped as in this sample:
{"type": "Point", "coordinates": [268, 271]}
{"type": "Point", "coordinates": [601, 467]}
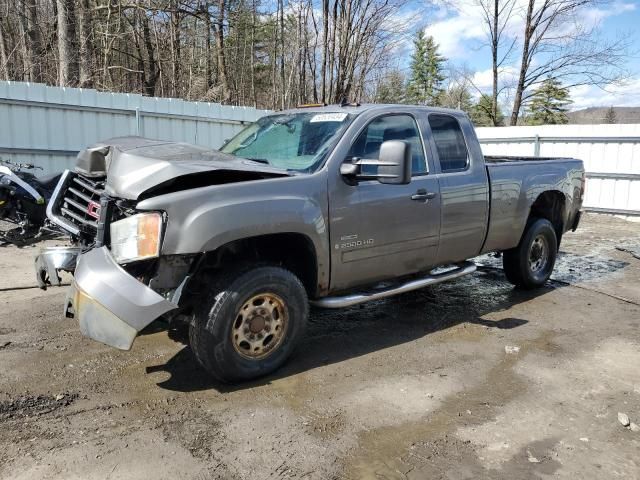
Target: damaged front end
{"type": "Point", "coordinates": [111, 305]}
{"type": "Point", "coordinates": [124, 284]}
{"type": "Point", "coordinates": [121, 281]}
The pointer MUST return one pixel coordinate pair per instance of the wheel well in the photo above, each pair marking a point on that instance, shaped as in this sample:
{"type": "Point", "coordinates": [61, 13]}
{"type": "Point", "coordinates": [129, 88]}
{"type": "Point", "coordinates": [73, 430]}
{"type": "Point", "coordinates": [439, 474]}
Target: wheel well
{"type": "Point", "coordinates": [293, 251]}
{"type": "Point", "coordinates": [550, 205]}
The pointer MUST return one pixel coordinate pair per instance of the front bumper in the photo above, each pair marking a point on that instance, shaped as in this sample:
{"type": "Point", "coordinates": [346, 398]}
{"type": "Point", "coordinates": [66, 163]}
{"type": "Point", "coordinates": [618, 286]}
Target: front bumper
{"type": "Point", "coordinates": [50, 261]}
{"type": "Point", "coordinates": [111, 306]}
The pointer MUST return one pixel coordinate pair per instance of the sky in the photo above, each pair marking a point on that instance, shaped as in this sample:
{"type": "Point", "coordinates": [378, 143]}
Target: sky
{"type": "Point", "coordinates": [457, 28]}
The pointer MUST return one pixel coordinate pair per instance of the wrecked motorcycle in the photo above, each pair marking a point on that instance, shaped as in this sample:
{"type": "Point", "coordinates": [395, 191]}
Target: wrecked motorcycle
{"type": "Point", "coordinates": [23, 203]}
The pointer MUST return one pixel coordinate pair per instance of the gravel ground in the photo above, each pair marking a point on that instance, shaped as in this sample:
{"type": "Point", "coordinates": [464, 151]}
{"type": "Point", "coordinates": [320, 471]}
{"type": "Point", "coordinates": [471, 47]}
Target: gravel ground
{"type": "Point", "coordinates": [468, 379]}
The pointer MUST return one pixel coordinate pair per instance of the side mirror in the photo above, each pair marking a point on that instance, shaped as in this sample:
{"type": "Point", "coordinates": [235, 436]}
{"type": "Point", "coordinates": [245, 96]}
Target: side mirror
{"type": "Point", "coordinates": [394, 165]}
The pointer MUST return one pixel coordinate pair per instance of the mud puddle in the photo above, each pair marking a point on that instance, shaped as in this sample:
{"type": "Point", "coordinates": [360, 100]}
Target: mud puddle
{"type": "Point", "coordinates": [572, 268]}
{"type": "Point", "coordinates": [429, 448]}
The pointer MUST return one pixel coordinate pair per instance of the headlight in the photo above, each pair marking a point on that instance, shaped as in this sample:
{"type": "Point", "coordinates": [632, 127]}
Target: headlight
{"type": "Point", "coordinates": [136, 237]}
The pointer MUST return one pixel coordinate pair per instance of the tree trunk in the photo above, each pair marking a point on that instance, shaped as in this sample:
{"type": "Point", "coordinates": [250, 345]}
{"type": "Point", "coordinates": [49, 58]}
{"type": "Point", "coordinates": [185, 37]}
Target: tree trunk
{"type": "Point", "coordinates": [25, 54]}
{"type": "Point", "coordinates": [494, 64]}
{"type": "Point", "coordinates": [4, 60]}
{"type": "Point", "coordinates": [68, 59]}
{"type": "Point", "coordinates": [222, 64]}
{"type": "Point", "coordinates": [85, 29]}
{"type": "Point", "coordinates": [33, 41]}
{"type": "Point", "coordinates": [209, 61]}
{"type": "Point", "coordinates": [151, 77]}
{"type": "Point", "coordinates": [325, 47]}
{"type": "Point", "coordinates": [274, 66]}
{"type": "Point", "coordinates": [282, 75]}
{"type": "Point", "coordinates": [175, 48]}
{"type": "Point", "coordinates": [524, 66]}
{"type": "Point", "coordinates": [254, 96]}
{"type": "Point", "coordinates": [332, 58]}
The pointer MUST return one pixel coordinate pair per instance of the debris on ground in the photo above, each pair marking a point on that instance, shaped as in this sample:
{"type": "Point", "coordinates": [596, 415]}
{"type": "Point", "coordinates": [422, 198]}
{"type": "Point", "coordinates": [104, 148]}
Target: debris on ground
{"type": "Point", "coordinates": [531, 458]}
{"type": "Point", "coordinates": [623, 418]}
{"type": "Point", "coordinates": [511, 349]}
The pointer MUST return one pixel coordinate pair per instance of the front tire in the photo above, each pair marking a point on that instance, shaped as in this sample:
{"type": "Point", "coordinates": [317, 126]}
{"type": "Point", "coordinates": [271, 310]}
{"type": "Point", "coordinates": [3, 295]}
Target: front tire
{"type": "Point", "coordinates": [529, 265]}
{"type": "Point", "coordinates": [250, 323]}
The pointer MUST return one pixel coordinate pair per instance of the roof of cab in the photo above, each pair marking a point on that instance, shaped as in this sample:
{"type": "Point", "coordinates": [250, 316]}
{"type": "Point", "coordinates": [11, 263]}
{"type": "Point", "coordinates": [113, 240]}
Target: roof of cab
{"type": "Point", "coordinates": [359, 108]}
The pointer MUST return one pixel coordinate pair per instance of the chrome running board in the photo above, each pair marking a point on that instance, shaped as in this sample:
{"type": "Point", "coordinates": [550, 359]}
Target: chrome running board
{"type": "Point", "coordinates": [460, 270]}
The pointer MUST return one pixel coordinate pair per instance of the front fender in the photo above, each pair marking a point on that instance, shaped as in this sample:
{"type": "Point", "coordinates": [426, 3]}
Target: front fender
{"type": "Point", "coordinates": [203, 219]}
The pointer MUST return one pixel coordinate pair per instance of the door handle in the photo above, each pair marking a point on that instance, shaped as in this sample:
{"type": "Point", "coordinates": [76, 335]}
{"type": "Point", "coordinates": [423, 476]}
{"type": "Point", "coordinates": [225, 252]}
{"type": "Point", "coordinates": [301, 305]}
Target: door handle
{"type": "Point", "coordinates": [422, 194]}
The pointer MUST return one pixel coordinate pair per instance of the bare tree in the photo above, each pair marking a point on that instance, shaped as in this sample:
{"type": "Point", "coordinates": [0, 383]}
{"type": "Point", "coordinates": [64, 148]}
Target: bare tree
{"type": "Point", "coordinates": [222, 64]}
{"type": "Point", "coordinates": [266, 54]}
{"type": "Point", "coordinates": [4, 58]}
{"type": "Point", "coordinates": [496, 15]}
{"type": "Point", "coordinates": [86, 46]}
{"type": "Point", "coordinates": [31, 41]}
{"type": "Point", "coordinates": [68, 58]}
{"type": "Point", "coordinates": [556, 44]}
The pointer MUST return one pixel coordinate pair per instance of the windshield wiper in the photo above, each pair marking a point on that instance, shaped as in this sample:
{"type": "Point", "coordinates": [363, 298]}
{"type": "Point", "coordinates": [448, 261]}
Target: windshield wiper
{"type": "Point", "coordinates": [259, 160]}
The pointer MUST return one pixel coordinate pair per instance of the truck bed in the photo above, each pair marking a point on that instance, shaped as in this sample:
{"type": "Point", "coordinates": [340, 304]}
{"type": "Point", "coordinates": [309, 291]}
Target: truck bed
{"type": "Point", "coordinates": [515, 182]}
{"type": "Point", "coordinates": [515, 159]}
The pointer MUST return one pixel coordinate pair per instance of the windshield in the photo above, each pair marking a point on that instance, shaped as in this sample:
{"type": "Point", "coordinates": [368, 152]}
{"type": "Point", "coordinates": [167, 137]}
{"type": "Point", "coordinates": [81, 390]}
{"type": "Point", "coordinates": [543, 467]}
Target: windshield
{"type": "Point", "coordinates": [291, 141]}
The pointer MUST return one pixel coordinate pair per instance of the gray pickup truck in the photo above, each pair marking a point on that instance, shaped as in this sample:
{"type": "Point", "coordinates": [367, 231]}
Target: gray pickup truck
{"type": "Point", "coordinates": [316, 205]}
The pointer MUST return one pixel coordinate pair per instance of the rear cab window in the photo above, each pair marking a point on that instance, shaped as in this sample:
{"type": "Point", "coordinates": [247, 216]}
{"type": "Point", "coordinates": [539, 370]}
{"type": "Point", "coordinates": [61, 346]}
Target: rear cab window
{"type": "Point", "coordinates": [450, 144]}
{"type": "Point", "coordinates": [390, 127]}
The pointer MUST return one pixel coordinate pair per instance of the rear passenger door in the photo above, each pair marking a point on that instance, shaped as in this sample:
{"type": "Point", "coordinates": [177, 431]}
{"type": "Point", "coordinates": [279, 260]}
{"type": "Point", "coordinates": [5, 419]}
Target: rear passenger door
{"type": "Point", "coordinates": [464, 188]}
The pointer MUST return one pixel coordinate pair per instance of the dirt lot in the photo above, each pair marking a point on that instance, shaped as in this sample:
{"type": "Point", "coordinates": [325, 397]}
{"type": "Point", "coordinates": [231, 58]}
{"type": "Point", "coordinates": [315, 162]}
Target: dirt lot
{"type": "Point", "coordinates": [423, 386]}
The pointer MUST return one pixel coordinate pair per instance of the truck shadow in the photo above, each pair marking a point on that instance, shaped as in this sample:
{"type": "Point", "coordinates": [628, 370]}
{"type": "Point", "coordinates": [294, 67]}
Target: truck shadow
{"type": "Point", "coordinates": [337, 335]}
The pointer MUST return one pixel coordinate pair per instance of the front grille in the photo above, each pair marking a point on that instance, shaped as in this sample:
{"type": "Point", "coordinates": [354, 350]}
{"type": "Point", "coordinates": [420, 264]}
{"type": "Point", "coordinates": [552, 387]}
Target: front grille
{"type": "Point", "coordinates": [82, 198]}
{"type": "Point", "coordinates": [75, 205]}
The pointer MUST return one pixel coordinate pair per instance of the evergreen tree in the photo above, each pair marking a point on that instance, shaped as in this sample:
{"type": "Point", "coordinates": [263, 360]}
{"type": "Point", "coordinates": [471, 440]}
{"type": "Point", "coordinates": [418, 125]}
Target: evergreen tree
{"type": "Point", "coordinates": [425, 84]}
{"type": "Point", "coordinates": [549, 104]}
{"type": "Point", "coordinates": [391, 88]}
{"type": "Point", "coordinates": [482, 112]}
{"type": "Point", "coordinates": [610, 116]}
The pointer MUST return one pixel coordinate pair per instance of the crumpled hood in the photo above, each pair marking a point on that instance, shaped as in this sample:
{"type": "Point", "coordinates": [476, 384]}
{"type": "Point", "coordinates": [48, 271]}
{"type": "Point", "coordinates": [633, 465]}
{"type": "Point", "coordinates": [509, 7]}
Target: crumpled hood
{"type": "Point", "coordinates": [135, 165]}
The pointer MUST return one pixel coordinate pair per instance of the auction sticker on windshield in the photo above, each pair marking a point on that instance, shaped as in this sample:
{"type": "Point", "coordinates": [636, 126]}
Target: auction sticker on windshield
{"type": "Point", "coordinates": [328, 117]}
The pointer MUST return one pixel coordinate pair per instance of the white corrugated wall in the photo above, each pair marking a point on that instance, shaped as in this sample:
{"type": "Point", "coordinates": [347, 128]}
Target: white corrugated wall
{"type": "Point", "coordinates": [47, 126]}
{"type": "Point", "coordinates": [611, 155]}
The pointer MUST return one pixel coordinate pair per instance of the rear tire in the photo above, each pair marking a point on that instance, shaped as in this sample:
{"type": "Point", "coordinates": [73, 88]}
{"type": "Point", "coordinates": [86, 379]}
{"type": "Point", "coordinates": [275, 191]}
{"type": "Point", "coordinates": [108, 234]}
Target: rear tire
{"type": "Point", "coordinates": [530, 264]}
{"type": "Point", "coordinates": [250, 323]}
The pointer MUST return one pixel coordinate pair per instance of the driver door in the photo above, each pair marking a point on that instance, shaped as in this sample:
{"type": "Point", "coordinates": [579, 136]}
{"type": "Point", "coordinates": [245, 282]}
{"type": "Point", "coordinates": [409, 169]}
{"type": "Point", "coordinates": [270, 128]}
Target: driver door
{"type": "Point", "coordinates": [380, 231]}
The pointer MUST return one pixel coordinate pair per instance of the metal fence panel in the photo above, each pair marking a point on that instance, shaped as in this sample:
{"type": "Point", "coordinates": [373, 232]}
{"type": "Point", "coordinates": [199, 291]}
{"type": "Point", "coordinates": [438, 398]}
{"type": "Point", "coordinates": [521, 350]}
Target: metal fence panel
{"type": "Point", "coordinates": [611, 155]}
{"type": "Point", "coordinates": [47, 126]}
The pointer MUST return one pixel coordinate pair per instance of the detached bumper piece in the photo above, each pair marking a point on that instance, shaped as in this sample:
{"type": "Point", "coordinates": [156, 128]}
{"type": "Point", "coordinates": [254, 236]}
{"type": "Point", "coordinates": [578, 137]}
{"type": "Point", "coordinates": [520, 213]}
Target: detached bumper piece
{"type": "Point", "coordinates": [50, 261]}
{"type": "Point", "coordinates": [110, 305]}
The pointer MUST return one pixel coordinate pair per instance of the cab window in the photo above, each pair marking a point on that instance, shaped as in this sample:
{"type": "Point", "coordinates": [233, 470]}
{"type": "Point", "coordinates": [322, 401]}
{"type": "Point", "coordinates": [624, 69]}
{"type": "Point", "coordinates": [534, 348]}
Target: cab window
{"type": "Point", "coordinates": [390, 127]}
{"type": "Point", "coordinates": [450, 144]}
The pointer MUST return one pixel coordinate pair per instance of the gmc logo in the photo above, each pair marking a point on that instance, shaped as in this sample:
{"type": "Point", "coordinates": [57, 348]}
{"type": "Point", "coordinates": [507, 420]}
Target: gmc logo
{"type": "Point", "coordinates": [93, 209]}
